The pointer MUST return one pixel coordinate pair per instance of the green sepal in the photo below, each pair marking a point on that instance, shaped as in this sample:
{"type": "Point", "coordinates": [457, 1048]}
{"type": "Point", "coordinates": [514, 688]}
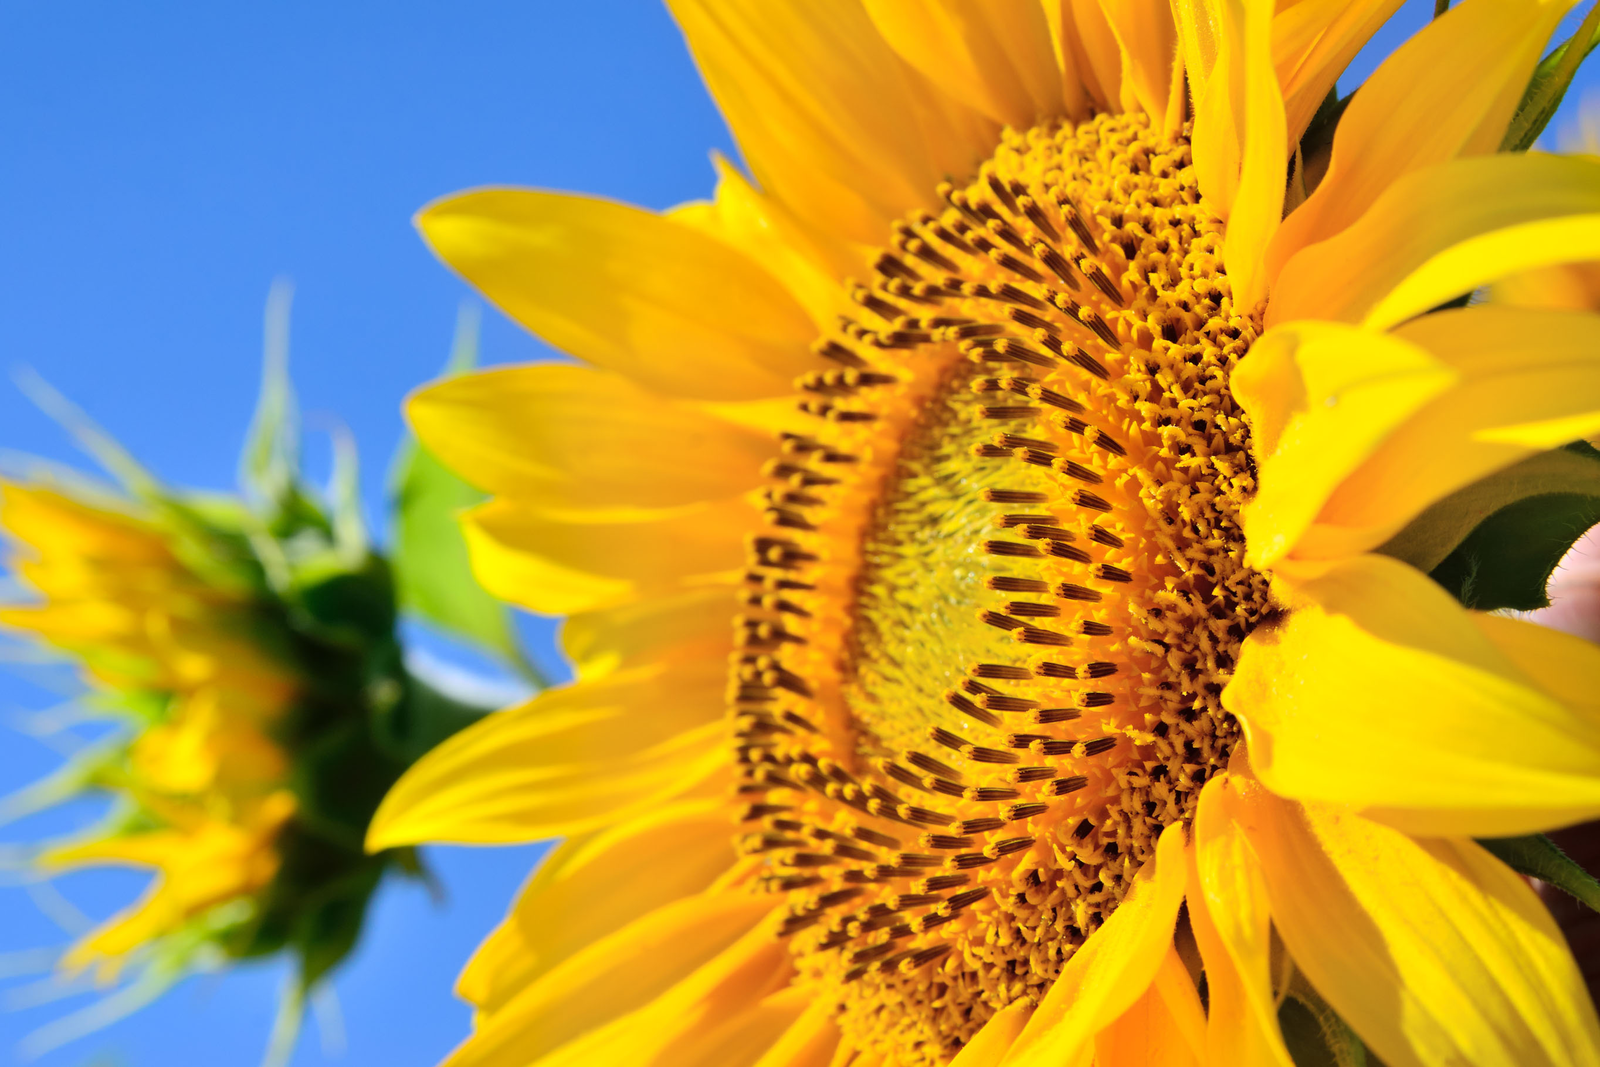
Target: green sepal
{"type": "Point", "coordinates": [423, 717]}
{"type": "Point", "coordinates": [1536, 856]}
{"type": "Point", "coordinates": [432, 569]}
{"type": "Point", "coordinates": [1315, 1034]}
{"type": "Point", "coordinates": [1430, 538]}
{"type": "Point", "coordinates": [1549, 84]}
{"type": "Point", "coordinates": [270, 464]}
{"type": "Point", "coordinates": [1507, 559]}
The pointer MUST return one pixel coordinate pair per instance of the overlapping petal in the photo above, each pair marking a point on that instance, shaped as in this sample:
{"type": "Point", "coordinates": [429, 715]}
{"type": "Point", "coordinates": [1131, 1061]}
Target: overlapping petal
{"type": "Point", "coordinates": [556, 565]}
{"type": "Point", "coordinates": [587, 276]}
{"type": "Point", "coordinates": [1232, 922]}
{"type": "Point", "coordinates": [1357, 432]}
{"type": "Point", "coordinates": [1433, 950]}
{"type": "Point", "coordinates": [1446, 93]}
{"type": "Point", "coordinates": [995, 59]}
{"type": "Point", "coordinates": [568, 760]}
{"type": "Point", "coordinates": [611, 976]}
{"type": "Point", "coordinates": [571, 437]}
{"type": "Point", "coordinates": [1442, 231]}
{"type": "Point", "coordinates": [831, 120]}
{"type": "Point", "coordinates": [1481, 748]}
{"type": "Point", "coordinates": [1113, 968]}
{"type": "Point", "coordinates": [588, 888]}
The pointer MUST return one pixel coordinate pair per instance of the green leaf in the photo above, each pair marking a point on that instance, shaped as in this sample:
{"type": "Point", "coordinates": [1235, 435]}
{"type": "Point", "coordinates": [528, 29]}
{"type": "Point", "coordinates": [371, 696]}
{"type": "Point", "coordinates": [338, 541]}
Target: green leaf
{"type": "Point", "coordinates": [1440, 530]}
{"type": "Point", "coordinates": [1507, 560]}
{"type": "Point", "coordinates": [1314, 1033]}
{"type": "Point", "coordinates": [1539, 857]}
{"type": "Point", "coordinates": [1549, 84]}
{"type": "Point", "coordinates": [432, 570]}
{"type": "Point", "coordinates": [270, 464]}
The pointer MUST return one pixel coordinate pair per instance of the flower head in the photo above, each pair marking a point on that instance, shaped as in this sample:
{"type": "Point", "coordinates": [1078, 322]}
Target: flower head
{"type": "Point", "coordinates": [1065, 628]}
{"type": "Point", "coordinates": [242, 650]}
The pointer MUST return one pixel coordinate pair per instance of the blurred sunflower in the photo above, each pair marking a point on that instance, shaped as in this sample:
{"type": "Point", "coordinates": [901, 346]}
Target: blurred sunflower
{"type": "Point", "coordinates": [244, 652]}
{"type": "Point", "coordinates": [1130, 454]}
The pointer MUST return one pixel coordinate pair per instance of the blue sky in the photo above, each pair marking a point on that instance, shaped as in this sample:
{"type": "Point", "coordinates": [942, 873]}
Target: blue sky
{"type": "Point", "coordinates": [163, 163]}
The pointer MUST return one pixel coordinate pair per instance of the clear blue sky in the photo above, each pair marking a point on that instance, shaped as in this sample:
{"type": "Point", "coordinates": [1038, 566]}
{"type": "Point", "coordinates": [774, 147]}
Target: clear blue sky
{"type": "Point", "coordinates": [162, 163]}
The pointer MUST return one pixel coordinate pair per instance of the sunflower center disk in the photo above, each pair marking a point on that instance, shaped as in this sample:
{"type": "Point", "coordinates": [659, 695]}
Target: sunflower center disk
{"type": "Point", "coordinates": [1002, 586]}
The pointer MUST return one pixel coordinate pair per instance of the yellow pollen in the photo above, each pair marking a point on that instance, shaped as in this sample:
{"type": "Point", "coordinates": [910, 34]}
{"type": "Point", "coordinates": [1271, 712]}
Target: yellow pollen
{"type": "Point", "coordinates": [1001, 588]}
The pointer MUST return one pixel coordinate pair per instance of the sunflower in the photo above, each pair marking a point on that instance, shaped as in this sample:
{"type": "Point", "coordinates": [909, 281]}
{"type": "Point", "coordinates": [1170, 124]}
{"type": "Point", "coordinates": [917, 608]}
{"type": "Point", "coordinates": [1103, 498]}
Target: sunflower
{"type": "Point", "coordinates": [1013, 507]}
{"type": "Point", "coordinates": [240, 656]}
{"type": "Point", "coordinates": [206, 770]}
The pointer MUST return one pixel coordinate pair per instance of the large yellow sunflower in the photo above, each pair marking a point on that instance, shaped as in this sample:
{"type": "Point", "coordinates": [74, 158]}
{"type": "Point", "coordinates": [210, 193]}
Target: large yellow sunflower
{"type": "Point", "coordinates": [1101, 424]}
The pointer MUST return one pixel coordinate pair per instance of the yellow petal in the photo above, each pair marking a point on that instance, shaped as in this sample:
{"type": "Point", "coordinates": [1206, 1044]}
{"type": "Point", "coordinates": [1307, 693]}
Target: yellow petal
{"type": "Point", "coordinates": [806, 261]}
{"type": "Point", "coordinates": [627, 290]}
{"type": "Point", "coordinates": [572, 437]}
{"type": "Point", "coordinates": [1447, 92]}
{"type": "Point", "coordinates": [1147, 40]}
{"type": "Point", "coordinates": [689, 625]}
{"type": "Point", "coordinates": [1434, 951]}
{"type": "Point", "coordinates": [995, 59]}
{"type": "Point", "coordinates": [569, 759]}
{"type": "Point", "coordinates": [744, 1038]}
{"type": "Point", "coordinates": [1115, 966]}
{"type": "Point", "coordinates": [1526, 381]}
{"type": "Point", "coordinates": [1166, 1026]}
{"type": "Point", "coordinates": [1380, 692]}
{"type": "Point", "coordinates": [589, 887]}
{"type": "Point", "coordinates": [1562, 665]}
{"type": "Point", "coordinates": [1232, 922]}
{"type": "Point", "coordinates": [554, 566]}
{"type": "Point", "coordinates": [990, 1045]}
{"type": "Point", "coordinates": [1320, 398]}
{"type": "Point", "coordinates": [810, 1042]}
{"type": "Point", "coordinates": [1486, 258]}
{"type": "Point", "coordinates": [664, 1031]}
{"type": "Point", "coordinates": [1086, 51]}
{"type": "Point", "coordinates": [1258, 206]}
{"type": "Point", "coordinates": [611, 977]}
{"type": "Point", "coordinates": [832, 122]}
{"type": "Point", "coordinates": [1426, 229]}
{"type": "Point", "coordinates": [1312, 43]}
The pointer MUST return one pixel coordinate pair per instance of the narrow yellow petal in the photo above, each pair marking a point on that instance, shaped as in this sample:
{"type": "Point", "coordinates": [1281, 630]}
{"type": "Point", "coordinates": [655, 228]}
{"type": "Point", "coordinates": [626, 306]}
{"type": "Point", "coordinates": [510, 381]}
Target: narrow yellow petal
{"type": "Point", "coordinates": [1526, 381]}
{"type": "Point", "coordinates": [1447, 92]}
{"type": "Point", "coordinates": [807, 261]}
{"type": "Point", "coordinates": [572, 437]}
{"type": "Point", "coordinates": [556, 566]}
{"type": "Point", "coordinates": [742, 1038]}
{"type": "Point", "coordinates": [810, 1042]}
{"type": "Point", "coordinates": [1415, 675]}
{"type": "Point", "coordinates": [1114, 967]}
{"type": "Point", "coordinates": [611, 977]}
{"type": "Point", "coordinates": [658, 1034]}
{"type": "Point", "coordinates": [588, 888]}
{"type": "Point", "coordinates": [832, 122]}
{"type": "Point", "coordinates": [1165, 1026]}
{"type": "Point", "coordinates": [1434, 951]}
{"type": "Point", "coordinates": [1312, 43]}
{"type": "Point", "coordinates": [995, 59]}
{"type": "Point", "coordinates": [1258, 206]}
{"type": "Point", "coordinates": [1147, 40]}
{"type": "Point", "coordinates": [990, 1045]}
{"type": "Point", "coordinates": [1486, 258]}
{"type": "Point", "coordinates": [1321, 397]}
{"type": "Point", "coordinates": [1087, 53]}
{"type": "Point", "coordinates": [688, 625]}
{"type": "Point", "coordinates": [569, 268]}
{"type": "Point", "coordinates": [605, 746]}
{"type": "Point", "coordinates": [1232, 922]}
{"type": "Point", "coordinates": [1563, 665]}
{"type": "Point", "coordinates": [1407, 241]}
